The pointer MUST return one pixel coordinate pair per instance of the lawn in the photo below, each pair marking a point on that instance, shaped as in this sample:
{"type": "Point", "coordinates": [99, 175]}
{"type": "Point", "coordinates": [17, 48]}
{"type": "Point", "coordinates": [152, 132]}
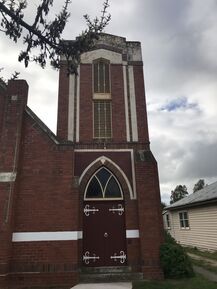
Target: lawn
{"type": "Point", "coordinates": [197, 282]}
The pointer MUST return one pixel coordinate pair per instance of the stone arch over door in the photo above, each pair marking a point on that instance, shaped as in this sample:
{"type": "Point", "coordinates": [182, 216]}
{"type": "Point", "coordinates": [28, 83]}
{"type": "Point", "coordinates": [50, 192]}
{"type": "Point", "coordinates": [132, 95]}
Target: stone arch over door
{"type": "Point", "coordinates": [114, 168]}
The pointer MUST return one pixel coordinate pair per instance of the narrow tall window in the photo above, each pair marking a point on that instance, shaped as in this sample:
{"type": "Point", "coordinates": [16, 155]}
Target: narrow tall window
{"type": "Point", "coordinates": [102, 107]}
{"type": "Point", "coordinates": [101, 76]}
{"type": "Point", "coordinates": [168, 221]}
{"type": "Point", "coordinates": [183, 218]}
{"type": "Point", "coordinates": [102, 119]}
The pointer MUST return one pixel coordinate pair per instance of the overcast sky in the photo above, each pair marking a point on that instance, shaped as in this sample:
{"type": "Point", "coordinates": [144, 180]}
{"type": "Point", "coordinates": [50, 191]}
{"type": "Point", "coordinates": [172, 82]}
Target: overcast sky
{"type": "Point", "coordinates": [179, 43]}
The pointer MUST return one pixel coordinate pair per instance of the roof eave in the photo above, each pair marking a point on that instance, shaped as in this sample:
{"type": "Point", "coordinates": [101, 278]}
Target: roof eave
{"type": "Point", "coordinates": [195, 204]}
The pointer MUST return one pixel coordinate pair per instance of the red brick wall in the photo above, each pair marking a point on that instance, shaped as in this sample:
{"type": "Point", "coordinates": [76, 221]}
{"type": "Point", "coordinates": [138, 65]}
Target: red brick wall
{"type": "Point", "coordinates": [118, 106]}
{"type": "Point", "coordinates": [86, 103]}
{"type": "Point", "coordinates": [132, 223]}
{"type": "Point", "coordinates": [2, 101]}
{"type": "Point", "coordinates": [140, 104]}
{"type": "Point", "coordinates": [38, 256]}
{"type": "Point", "coordinates": [63, 100]}
{"type": "Point", "coordinates": [45, 257]}
{"type": "Point", "coordinates": [47, 198]}
{"type": "Point", "coordinates": [150, 216]}
{"type": "Point", "coordinates": [121, 159]}
{"type": "Point", "coordinates": [15, 101]}
{"type": "Point", "coordinates": [10, 138]}
{"type": "Point", "coordinates": [63, 280]}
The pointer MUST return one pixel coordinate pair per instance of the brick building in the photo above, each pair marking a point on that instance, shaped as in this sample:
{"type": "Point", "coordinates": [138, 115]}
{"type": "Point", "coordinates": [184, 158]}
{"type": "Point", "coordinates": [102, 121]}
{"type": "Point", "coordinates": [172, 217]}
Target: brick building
{"type": "Point", "coordinates": [88, 196]}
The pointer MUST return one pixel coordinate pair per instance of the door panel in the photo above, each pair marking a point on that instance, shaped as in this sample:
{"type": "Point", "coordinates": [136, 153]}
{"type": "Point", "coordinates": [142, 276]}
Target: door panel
{"type": "Point", "coordinates": [104, 235]}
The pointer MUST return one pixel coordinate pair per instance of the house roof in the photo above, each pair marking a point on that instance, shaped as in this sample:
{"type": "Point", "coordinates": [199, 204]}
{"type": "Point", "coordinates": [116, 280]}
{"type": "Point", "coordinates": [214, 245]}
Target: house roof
{"type": "Point", "coordinates": [206, 195]}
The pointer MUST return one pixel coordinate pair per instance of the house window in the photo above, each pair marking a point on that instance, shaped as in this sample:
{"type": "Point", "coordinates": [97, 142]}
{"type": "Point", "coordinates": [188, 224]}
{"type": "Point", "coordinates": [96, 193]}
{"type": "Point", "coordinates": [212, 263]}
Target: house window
{"type": "Point", "coordinates": [101, 76]}
{"type": "Point", "coordinates": [102, 119]}
{"type": "Point", "coordinates": [168, 221]}
{"type": "Point", "coordinates": [184, 222]}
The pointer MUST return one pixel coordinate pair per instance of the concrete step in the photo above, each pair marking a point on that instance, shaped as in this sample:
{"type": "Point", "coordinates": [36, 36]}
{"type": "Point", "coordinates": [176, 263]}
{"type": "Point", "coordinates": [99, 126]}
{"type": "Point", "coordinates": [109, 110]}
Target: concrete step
{"type": "Point", "coordinates": [108, 269]}
{"type": "Point", "coordinates": [110, 277]}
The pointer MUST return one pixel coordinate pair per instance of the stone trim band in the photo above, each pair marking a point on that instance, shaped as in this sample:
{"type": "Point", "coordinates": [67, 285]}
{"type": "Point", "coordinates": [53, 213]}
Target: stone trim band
{"type": "Point", "coordinates": [58, 236]}
{"type": "Point", "coordinates": [7, 177]}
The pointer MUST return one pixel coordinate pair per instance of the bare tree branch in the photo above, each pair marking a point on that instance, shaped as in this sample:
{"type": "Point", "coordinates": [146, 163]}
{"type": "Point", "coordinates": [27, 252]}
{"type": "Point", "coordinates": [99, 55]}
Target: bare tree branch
{"type": "Point", "coordinates": [46, 36]}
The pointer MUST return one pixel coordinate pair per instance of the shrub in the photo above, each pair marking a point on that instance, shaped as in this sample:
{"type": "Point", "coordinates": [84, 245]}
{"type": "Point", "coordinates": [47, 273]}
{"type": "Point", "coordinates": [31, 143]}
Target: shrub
{"type": "Point", "coordinates": [169, 239]}
{"type": "Point", "coordinates": [174, 261]}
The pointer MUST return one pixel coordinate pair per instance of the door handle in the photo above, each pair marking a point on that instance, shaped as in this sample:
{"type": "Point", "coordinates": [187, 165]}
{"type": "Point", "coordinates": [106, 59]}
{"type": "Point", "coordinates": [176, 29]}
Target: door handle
{"type": "Point", "coordinates": [105, 234]}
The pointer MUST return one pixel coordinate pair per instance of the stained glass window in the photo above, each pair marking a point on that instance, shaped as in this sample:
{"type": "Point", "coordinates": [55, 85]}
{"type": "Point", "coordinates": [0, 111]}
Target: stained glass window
{"type": "Point", "coordinates": [94, 190]}
{"type": "Point", "coordinates": [103, 176]}
{"type": "Point", "coordinates": [112, 189]}
{"type": "Point", "coordinates": [103, 185]}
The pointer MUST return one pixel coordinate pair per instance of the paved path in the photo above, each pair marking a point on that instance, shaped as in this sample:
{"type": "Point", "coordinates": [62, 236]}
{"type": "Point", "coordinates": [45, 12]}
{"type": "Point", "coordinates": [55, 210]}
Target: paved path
{"type": "Point", "coordinates": [124, 285]}
{"type": "Point", "coordinates": [212, 276]}
{"type": "Point", "coordinates": [208, 260]}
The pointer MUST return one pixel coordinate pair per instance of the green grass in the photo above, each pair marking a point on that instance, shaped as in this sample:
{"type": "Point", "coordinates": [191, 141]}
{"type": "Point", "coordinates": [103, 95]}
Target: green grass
{"type": "Point", "coordinates": [197, 282]}
{"type": "Point", "coordinates": [207, 254]}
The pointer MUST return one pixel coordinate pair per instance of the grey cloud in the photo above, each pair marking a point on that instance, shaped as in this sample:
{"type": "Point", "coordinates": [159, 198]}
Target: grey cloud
{"type": "Point", "coordinates": [172, 45]}
{"type": "Point", "coordinates": [162, 16]}
{"type": "Point", "coordinates": [201, 161]}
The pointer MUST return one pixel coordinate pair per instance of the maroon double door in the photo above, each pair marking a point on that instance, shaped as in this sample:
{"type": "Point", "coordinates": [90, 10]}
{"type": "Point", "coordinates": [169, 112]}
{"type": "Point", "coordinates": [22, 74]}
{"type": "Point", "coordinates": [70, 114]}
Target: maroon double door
{"type": "Point", "coordinates": [104, 234]}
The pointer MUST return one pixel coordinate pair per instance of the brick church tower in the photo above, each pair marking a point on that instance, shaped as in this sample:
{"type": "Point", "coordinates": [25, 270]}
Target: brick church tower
{"type": "Point", "coordinates": [88, 197]}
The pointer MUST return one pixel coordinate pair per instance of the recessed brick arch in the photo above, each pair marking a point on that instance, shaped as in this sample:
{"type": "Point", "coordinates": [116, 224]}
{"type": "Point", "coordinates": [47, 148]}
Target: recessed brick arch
{"type": "Point", "coordinates": [114, 168]}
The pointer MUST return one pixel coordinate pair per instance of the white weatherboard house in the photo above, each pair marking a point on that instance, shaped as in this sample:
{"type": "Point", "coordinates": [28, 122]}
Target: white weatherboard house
{"type": "Point", "coordinates": [192, 221]}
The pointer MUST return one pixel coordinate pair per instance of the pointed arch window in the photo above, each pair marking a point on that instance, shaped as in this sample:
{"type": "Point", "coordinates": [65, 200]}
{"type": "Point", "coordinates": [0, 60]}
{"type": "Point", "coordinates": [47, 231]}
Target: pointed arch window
{"type": "Point", "coordinates": [103, 185]}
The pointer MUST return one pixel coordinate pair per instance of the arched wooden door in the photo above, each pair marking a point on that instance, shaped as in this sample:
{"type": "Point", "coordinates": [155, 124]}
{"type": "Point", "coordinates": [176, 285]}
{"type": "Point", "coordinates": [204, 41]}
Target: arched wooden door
{"type": "Point", "coordinates": [104, 233]}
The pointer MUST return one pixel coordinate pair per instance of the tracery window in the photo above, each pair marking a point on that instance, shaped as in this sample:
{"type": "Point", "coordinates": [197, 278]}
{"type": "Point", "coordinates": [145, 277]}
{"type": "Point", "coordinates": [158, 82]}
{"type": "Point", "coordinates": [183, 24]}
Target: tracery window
{"type": "Point", "coordinates": [103, 185]}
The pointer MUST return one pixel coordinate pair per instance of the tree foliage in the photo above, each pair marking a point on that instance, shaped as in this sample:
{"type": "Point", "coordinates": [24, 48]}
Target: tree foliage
{"type": "Point", "coordinates": [199, 185]}
{"type": "Point", "coordinates": [4, 82]}
{"type": "Point", "coordinates": [45, 37]}
{"type": "Point", "coordinates": [178, 193]}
